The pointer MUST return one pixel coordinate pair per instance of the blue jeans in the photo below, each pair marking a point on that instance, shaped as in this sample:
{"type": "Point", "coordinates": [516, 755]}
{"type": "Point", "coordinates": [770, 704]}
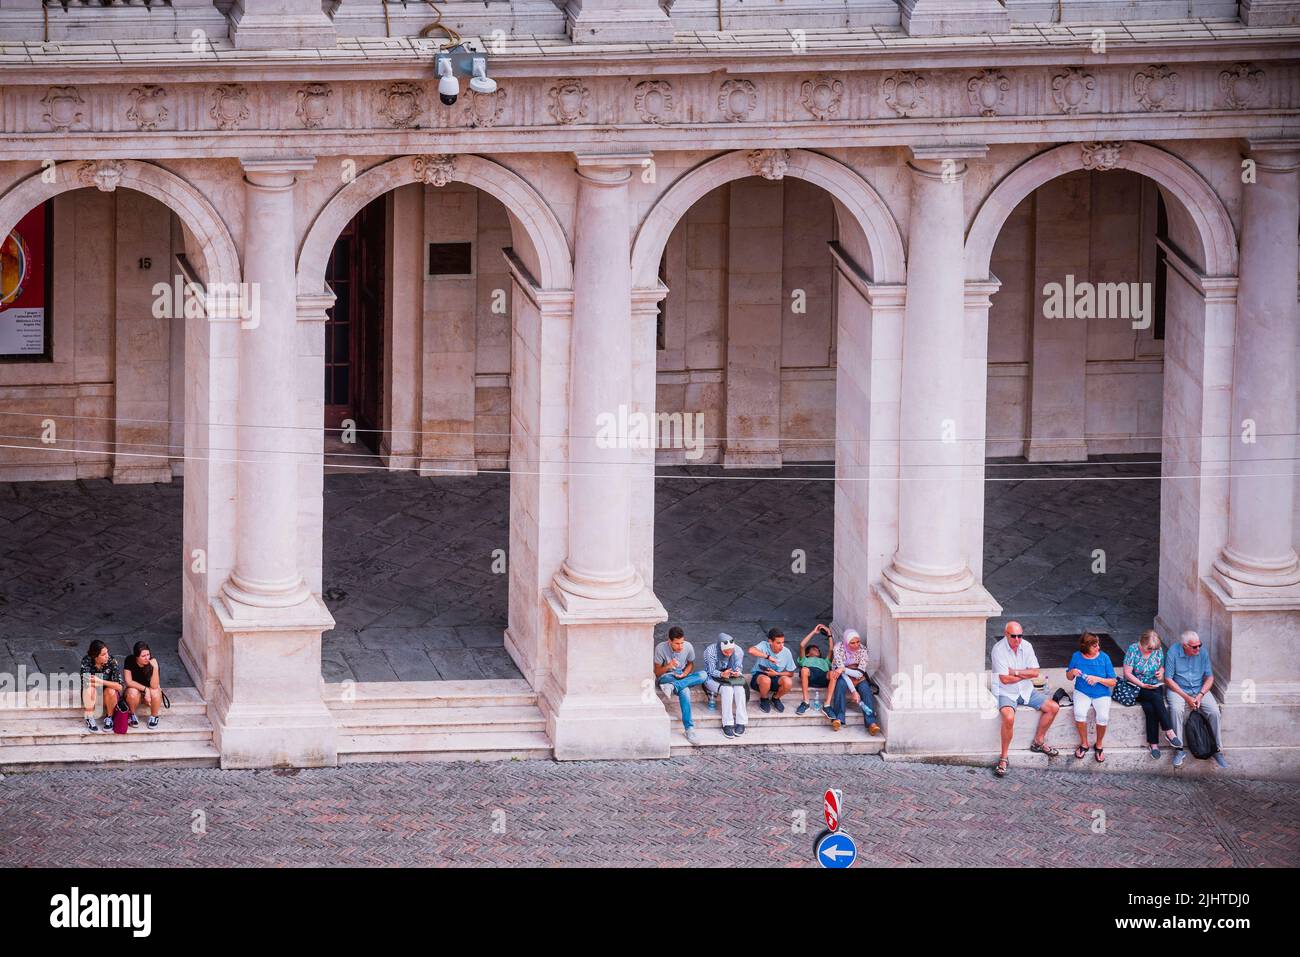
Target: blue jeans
{"type": "Point", "coordinates": [842, 685]}
{"type": "Point", "coordinates": [680, 685]}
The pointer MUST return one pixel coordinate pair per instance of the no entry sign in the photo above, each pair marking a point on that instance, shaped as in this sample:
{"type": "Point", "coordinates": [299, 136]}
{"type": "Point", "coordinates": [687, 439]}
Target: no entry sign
{"type": "Point", "coordinates": [832, 809]}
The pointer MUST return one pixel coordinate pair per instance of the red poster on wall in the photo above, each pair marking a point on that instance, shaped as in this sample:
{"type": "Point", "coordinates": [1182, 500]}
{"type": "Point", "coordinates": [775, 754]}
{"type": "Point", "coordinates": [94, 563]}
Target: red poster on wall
{"type": "Point", "coordinates": [24, 289]}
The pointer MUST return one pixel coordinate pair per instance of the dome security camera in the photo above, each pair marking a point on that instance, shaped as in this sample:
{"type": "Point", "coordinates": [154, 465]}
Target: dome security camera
{"type": "Point", "coordinates": [448, 85]}
{"type": "Point", "coordinates": [481, 82]}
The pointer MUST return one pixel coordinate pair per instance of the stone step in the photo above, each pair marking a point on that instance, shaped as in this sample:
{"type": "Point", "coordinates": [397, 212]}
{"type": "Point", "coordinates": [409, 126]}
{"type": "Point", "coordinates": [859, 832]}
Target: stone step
{"type": "Point", "coordinates": [39, 704]}
{"type": "Point", "coordinates": [443, 746]}
{"type": "Point", "coordinates": [491, 693]}
{"type": "Point", "coordinates": [123, 751]}
{"type": "Point", "coordinates": [1243, 762]}
{"type": "Point", "coordinates": [71, 731]}
{"type": "Point", "coordinates": [815, 738]}
{"type": "Point", "coordinates": [423, 720]}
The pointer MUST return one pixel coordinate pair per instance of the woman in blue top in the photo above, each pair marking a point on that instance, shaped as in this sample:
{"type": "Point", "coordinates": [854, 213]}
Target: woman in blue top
{"type": "Point", "coordinates": [1144, 666]}
{"type": "Point", "coordinates": [1094, 677]}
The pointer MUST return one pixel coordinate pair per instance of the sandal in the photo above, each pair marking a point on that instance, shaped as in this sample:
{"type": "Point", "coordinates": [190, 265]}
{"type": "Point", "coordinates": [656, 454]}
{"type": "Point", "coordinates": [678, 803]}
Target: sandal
{"type": "Point", "coordinates": [1040, 747]}
{"type": "Point", "coordinates": [1001, 769]}
{"type": "Point", "coordinates": [1080, 751]}
{"type": "Point", "coordinates": [1099, 755]}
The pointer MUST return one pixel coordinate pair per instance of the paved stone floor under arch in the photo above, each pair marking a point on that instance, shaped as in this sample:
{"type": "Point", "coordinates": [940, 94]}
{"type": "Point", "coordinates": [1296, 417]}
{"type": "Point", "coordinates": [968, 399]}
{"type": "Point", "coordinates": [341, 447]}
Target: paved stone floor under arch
{"type": "Point", "coordinates": [409, 562]}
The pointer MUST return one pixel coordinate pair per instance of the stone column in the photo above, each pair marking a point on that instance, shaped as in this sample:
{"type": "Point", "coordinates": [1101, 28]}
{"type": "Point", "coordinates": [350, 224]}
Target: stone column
{"type": "Point", "coordinates": [269, 710]}
{"type": "Point", "coordinates": [280, 25]}
{"type": "Point", "coordinates": [937, 611]}
{"type": "Point", "coordinates": [1260, 552]}
{"type": "Point", "coordinates": [617, 21]}
{"type": "Point", "coordinates": [599, 697]}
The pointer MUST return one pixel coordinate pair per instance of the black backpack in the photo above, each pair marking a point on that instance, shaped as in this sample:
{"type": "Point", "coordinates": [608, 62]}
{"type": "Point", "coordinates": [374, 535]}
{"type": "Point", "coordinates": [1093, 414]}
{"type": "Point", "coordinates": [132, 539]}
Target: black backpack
{"type": "Point", "coordinates": [1198, 736]}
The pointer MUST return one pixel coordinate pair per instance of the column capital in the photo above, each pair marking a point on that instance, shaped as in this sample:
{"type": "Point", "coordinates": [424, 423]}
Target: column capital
{"type": "Point", "coordinates": [609, 169]}
{"type": "Point", "coordinates": [275, 171]}
{"type": "Point", "coordinates": [1276, 154]}
{"type": "Point", "coordinates": [945, 160]}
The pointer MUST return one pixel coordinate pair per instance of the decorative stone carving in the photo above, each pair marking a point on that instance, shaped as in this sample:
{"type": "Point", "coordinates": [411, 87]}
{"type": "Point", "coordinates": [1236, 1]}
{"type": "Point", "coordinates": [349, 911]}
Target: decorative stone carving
{"type": "Point", "coordinates": [822, 96]}
{"type": "Point", "coordinates": [769, 164]}
{"type": "Point", "coordinates": [229, 105]}
{"type": "Point", "coordinates": [1103, 155]}
{"type": "Point", "coordinates": [435, 169]}
{"type": "Point", "coordinates": [987, 90]}
{"type": "Point", "coordinates": [484, 109]}
{"type": "Point", "coordinates": [1155, 87]}
{"type": "Point", "coordinates": [737, 99]}
{"type": "Point", "coordinates": [570, 101]}
{"type": "Point", "coordinates": [1072, 90]}
{"type": "Point", "coordinates": [104, 175]}
{"type": "Point", "coordinates": [61, 111]}
{"type": "Point", "coordinates": [149, 108]}
{"type": "Point", "coordinates": [654, 100]}
{"type": "Point", "coordinates": [401, 104]}
{"type": "Point", "coordinates": [1241, 86]}
{"type": "Point", "coordinates": [905, 93]}
{"type": "Point", "coordinates": [314, 105]}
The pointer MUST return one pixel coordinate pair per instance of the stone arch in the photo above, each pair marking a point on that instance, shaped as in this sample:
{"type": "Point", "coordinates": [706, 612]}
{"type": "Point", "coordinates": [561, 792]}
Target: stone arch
{"type": "Point", "coordinates": [1199, 201]}
{"type": "Point", "coordinates": [552, 256]}
{"type": "Point", "coordinates": [221, 257]}
{"type": "Point", "coordinates": [866, 210]}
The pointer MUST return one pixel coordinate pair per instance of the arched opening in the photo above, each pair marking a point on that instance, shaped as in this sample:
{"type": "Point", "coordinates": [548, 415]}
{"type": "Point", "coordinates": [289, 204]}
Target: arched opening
{"type": "Point", "coordinates": [426, 573]}
{"type": "Point", "coordinates": [762, 398]}
{"type": "Point", "coordinates": [1100, 444]}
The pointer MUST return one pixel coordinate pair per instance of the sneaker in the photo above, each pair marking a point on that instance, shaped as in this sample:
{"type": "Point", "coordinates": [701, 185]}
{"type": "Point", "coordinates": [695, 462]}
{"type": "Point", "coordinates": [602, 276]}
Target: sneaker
{"type": "Point", "coordinates": [133, 721]}
{"type": "Point", "coordinates": [776, 703]}
{"type": "Point", "coordinates": [91, 726]}
{"type": "Point", "coordinates": [764, 705]}
{"type": "Point", "coordinates": [728, 730]}
{"type": "Point", "coordinates": [1179, 757]}
{"type": "Point", "coordinates": [1176, 742]}
{"type": "Point", "coordinates": [1220, 760]}
{"type": "Point", "coordinates": [1155, 752]}
{"type": "Point", "coordinates": [835, 724]}
{"type": "Point", "coordinates": [802, 708]}
{"type": "Point", "coordinates": [740, 729]}
{"type": "Point", "coordinates": [153, 721]}
{"type": "Point", "coordinates": [873, 729]}
{"type": "Point", "coordinates": [667, 691]}
{"type": "Point", "coordinates": [691, 736]}
{"type": "Point", "coordinates": [108, 722]}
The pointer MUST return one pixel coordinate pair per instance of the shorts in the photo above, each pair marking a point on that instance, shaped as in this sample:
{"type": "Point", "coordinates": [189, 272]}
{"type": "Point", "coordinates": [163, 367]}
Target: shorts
{"type": "Point", "coordinates": [1036, 701]}
{"type": "Point", "coordinates": [818, 678]}
{"type": "Point", "coordinates": [1082, 703]}
{"type": "Point", "coordinates": [753, 682]}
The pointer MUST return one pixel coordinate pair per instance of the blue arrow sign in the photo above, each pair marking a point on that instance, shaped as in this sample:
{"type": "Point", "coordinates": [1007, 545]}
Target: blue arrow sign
{"type": "Point", "coordinates": [836, 850]}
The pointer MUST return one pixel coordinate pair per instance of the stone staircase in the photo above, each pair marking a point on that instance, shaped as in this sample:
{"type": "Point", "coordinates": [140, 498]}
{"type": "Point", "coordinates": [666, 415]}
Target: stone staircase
{"type": "Point", "coordinates": [39, 731]}
{"type": "Point", "coordinates": [810, 732]}
{"type": "Point", "coordinates": [437, 721]}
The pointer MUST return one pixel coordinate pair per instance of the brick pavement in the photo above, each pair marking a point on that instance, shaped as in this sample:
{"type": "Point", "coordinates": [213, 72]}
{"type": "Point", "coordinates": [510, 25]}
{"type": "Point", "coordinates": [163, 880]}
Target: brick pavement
{"type": "Point", "coordinates": [708, 809]}
{"type": "Point", "coordinates": [408, 563]}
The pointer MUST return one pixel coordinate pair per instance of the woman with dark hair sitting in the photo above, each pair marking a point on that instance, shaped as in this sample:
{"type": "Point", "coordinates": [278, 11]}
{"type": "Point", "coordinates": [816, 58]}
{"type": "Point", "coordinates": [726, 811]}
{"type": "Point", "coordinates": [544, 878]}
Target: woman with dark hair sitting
{"type": "Point", "coordinates": [99, 669]}
{"type": "Point", "coordinates": [143, 683]}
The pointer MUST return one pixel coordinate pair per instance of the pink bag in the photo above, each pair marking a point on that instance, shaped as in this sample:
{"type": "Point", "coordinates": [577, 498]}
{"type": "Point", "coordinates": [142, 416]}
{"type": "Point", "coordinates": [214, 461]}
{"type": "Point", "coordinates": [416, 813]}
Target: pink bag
{"type": "Point", "coordinates": [121, 719]}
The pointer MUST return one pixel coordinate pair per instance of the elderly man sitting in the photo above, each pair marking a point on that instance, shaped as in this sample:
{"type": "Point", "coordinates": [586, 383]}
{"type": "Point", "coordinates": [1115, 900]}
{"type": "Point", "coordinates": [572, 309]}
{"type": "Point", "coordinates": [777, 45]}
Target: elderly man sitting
{"type": "Point", "coordinates": [1015, 666]}
{"type": "Point", "coordinates": [1188, 680]}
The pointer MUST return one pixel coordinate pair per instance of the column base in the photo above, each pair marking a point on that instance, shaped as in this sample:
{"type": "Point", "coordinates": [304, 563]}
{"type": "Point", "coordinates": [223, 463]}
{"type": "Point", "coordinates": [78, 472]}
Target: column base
{"type": "Point", "coordinates": [599, 698]}
{"type": "Point", "coordinates": [938, 698]}
{"type": "Point", "coordinates": [1269, 13]}
{"type": "Point", "coordinates": [930, 18]}
{"type": "Point", "coordinates": [1049, 451]}
{"type": "Point", "coordinates": [752, 459]}
{"type": "Point", "coordinates": [636, 22]}
{"type": "Point", "coordinates": [312, 30]}
{"type": "Point", "coordinates": [453, 468]}
{"type": "Point", "coordinates": [142, 474]}
{"type": "Point", "coordinates": [1245, 582]}
{"type": "Point", "coordinates": [268, 710]}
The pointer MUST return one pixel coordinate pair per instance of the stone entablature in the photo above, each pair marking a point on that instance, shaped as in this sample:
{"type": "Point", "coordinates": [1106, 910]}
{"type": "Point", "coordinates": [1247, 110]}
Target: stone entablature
{"type": "Point", "coordinates": [830, 107]}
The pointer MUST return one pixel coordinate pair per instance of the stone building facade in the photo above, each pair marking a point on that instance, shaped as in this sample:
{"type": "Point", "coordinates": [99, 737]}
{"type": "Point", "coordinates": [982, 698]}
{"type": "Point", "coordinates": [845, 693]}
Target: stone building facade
{"type": "Point", "coordinates": [825, 226]}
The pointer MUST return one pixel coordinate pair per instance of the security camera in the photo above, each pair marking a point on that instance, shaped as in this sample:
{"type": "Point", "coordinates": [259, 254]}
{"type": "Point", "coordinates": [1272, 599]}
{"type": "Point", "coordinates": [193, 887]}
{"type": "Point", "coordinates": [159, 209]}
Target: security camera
{"type": "Point", "coordinates": [481, 82]}
{"type": "Point", "coordinates": [448, 85]}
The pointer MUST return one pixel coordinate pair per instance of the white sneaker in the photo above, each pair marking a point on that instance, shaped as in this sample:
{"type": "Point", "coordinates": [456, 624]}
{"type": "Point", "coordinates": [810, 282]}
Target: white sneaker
{"type": "Point", "coordinates": [691, 736]}
{"type": "Point", "coordinates": [667, 691]}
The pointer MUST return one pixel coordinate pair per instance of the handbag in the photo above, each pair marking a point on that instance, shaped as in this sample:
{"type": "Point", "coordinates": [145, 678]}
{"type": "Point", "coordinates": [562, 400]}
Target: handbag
{"type": "Point", "coordinates": [121, 717]}
{"type": "Point", "coordinates": [1126, 693]}
{"type": "Point", "coordinates": [167, 702]}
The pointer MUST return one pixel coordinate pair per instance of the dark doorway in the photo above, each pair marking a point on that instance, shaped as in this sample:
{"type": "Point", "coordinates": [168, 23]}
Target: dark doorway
{"type": "Point", "coordinates": [354, 327]}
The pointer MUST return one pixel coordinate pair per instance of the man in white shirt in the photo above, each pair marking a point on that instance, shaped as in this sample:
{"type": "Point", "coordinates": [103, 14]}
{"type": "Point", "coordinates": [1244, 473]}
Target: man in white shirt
{"type": "Point", "coordinates": [1014, 667]}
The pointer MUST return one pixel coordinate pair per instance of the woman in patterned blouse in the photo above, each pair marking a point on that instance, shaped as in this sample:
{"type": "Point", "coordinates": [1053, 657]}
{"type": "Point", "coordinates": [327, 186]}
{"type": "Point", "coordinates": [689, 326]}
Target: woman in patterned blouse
{"type": "Point", "coordinates": [99, 669]}
{"type": "Point", "coordinates": [1144, 666]}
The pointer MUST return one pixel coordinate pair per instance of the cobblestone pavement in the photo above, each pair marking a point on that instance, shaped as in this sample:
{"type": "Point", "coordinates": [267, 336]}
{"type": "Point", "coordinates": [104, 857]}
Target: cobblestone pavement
{"type": "Point", "coordinates": [409, 563]}
{"type": "Point", "coordinates": [718, 809]}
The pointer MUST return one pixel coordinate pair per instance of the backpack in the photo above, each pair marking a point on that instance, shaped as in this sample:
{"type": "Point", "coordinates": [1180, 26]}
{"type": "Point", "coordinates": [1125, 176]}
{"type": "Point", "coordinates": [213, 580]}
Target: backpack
{"type": "Point", "coordinates": [1198, 736]}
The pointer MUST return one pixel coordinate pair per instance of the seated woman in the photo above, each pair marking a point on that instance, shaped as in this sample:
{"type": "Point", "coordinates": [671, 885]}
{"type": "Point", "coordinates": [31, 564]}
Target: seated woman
{"type": "Point", "coordinates": [1144, 666]}
{"type": "Point", "coordinates": [850, 661]}
{"type": "Point", "coordinates": [1094, 677]}
{"type": "Point", "coordinates": [99, 669]}
{"type": "Point", "coordinates": [143, 683]}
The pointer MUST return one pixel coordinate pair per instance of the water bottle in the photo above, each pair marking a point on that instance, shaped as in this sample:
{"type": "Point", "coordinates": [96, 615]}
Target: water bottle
{"type": "Point", "coordinates": [817, 700]}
